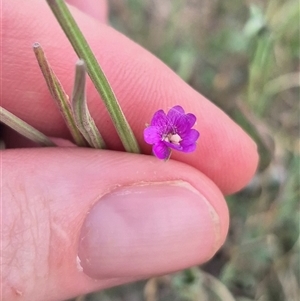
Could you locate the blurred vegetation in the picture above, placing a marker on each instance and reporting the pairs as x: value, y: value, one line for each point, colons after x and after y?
x: 244, y: 56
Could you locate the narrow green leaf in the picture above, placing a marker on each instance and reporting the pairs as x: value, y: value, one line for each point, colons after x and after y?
x: 84, y: 122
x: 81, y: 47
x: 24, y: 128
x: 58, y: 93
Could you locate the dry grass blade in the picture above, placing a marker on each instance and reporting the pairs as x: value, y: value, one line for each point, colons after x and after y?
x: 216, y: 286
x: 24, y: 128
x: 282, y: 82
x: 58, y: 93
x: 261, y: 134
x: 84, y: 122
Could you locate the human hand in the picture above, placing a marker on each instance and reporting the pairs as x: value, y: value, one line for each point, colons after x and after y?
x: 119, y: 216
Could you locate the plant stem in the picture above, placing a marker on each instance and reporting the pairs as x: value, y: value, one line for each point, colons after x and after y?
x: 58, y: 93
x: 84, y: 121
x: 81, y: 47
x: 24, y: 128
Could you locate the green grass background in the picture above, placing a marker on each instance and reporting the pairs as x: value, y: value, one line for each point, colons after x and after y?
x: 244, y: 56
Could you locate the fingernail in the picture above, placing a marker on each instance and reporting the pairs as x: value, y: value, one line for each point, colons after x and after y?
x: 148, y: 229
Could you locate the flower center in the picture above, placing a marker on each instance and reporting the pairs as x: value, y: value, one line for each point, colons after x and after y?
x: 173, y: 138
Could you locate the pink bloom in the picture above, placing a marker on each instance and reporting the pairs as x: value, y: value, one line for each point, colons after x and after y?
x: 171, y: 131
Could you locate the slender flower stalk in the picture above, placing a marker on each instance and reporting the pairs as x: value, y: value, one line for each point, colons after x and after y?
x: 58, y: 93
x: 81, y: 47
x: 85, y: 123
x: 171, y: 131
x: 24, y: 128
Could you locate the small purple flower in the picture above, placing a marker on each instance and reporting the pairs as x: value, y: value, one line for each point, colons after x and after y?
x: 171, y: 131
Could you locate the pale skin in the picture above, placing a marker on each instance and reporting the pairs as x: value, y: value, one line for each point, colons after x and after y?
x: 46, y: 194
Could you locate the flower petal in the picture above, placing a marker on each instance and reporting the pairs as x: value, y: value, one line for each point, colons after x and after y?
x: 190, y: 119
x: 161, y: 151
x: 185, y: 123
x: 181, y: 125
x: 174, y: 114
x: 190, y: 137
x: 176, y: 110
x: 174, y: 146
x: 159, y: 119
x: 152, y: 134
x: 189, y: 148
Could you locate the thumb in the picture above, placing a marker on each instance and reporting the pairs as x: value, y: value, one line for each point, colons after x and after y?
x: 78, y: 220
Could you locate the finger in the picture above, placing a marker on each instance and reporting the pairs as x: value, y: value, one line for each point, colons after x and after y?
x: 97, y: 9
x: 141, y: 82
x: 78, y: 220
